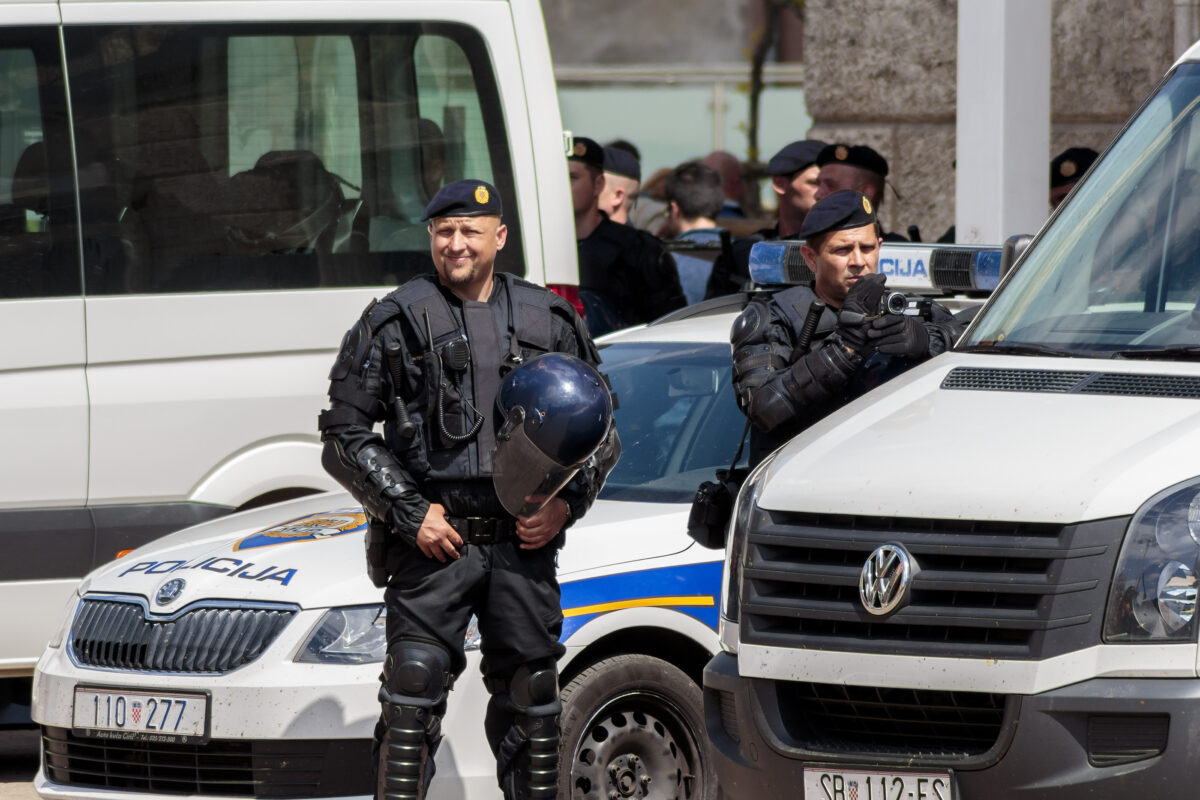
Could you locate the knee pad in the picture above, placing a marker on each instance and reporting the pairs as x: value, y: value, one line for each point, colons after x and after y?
x: 533, y: 686
x: 415, y: 673
x: 527, y: 755
x: 416, y: 678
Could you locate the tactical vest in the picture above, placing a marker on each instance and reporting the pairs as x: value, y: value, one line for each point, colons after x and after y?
x: 461, y: 365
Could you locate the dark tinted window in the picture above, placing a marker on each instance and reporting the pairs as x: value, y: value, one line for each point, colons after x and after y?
x: 676, y: 415
x: 217, y: 158
x: 39, y: 252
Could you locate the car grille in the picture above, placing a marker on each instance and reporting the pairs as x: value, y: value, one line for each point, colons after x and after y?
x: 980, y: 589
x: 118, y: 634
x: 826, y: 718
x: 231, y: 768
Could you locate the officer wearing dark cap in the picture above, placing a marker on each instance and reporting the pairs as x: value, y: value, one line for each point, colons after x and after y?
x: 855, y: 167
x: 622, y: 180
x: 427, y: 361
x: 784, y: 384
x: 793, y: 172
x: 626, y: 277
x: 1066, y: 169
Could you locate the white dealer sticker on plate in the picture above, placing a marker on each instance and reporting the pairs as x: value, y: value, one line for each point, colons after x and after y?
x: 831, y: 784
x: 156, y: 716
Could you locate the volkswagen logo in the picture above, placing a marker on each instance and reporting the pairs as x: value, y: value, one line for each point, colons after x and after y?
x: 884, y: 579
x: 169, y: 592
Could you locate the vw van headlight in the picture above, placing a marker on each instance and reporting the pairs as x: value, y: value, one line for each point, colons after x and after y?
x: 1154, y: 588
x: 745, y: 514
x: 348, y: 635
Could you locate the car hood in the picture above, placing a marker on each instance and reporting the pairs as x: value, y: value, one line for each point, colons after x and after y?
x: 310, y: 552
x: 915, y: 449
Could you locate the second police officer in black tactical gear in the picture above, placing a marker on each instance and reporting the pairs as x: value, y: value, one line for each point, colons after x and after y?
x: 782, y: 385
x: 793, y: 172
x: 428, y: 361
x: 626, y: 276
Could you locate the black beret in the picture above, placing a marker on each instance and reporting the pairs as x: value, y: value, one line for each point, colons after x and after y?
x: 464, y: 199
x: 858, y: 155
x: 795, y: 157
x: 588, y: 151
x: 1069, y: 165
x: 621, y: 162
x: 838, y: 212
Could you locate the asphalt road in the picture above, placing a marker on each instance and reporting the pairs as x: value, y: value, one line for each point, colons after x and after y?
x: 18, y: 763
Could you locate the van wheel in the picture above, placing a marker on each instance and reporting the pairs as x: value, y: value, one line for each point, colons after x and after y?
x: 633, y: 728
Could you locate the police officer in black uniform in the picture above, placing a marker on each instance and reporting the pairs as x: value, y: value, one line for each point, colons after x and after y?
x: 1066, y: 169
x: 793, y: 172
x: 858, y: 168
x: 428, y: 361
x: 626, y: 276
x: 785, y: 384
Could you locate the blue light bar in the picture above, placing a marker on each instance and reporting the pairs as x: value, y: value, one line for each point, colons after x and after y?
x: 767, y: 263
x: 909, y: 266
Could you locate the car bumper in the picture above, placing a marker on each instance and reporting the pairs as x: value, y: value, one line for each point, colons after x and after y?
x: 268, y: 703
x: 1098, y: 739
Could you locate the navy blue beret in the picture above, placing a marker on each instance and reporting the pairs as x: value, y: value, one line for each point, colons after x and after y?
x: 464, y: 199
x: 1069, y: 165
x: 588, y: 151
x: 795, y: 157
x: 621, y: 162
x: 858, y: 155
x: 838, y: 212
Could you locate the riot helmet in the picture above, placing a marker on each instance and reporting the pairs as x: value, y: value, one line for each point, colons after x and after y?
x: 557, y: 412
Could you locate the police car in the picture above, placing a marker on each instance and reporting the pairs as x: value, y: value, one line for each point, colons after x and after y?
x: 241, y: 657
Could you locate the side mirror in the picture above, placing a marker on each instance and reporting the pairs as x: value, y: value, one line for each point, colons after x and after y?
x: 1014, y: 247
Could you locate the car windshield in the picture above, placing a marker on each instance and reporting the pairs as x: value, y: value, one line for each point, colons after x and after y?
x: 1117, y: 272
x: 676, y: 415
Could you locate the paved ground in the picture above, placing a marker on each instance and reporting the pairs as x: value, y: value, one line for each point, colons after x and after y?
x: 18, y: 763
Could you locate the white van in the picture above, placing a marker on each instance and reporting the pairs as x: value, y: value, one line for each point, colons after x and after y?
x: 197, y: 199
x: 980, y: 580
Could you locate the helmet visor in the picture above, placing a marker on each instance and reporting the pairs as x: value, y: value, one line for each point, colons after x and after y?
x: 522, y: 470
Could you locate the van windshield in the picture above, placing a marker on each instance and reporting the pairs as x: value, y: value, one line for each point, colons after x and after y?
x: 1117, y: 272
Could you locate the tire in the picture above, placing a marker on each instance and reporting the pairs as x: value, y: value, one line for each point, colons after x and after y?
x: 628, y: 718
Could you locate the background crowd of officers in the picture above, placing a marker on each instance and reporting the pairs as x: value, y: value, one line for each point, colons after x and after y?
x: 648, y: 248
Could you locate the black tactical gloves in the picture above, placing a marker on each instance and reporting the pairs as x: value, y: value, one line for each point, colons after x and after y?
x: 899, y: 336
x: 862, y: 303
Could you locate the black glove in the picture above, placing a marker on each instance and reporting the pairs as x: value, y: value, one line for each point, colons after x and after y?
x: 862, y: 303
x: 899, y: 335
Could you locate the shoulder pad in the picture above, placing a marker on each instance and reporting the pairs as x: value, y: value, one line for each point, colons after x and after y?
x: 354, y: 348
x: 751, y: 325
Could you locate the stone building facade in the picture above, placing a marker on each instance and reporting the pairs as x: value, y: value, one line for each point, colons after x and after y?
x: 882, y: 72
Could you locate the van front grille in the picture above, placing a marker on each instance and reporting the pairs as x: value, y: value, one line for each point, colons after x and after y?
x: 978, y: 590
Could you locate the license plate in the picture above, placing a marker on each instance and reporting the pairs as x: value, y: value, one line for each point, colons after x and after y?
x: 828, y: 784
x: 148, y: 716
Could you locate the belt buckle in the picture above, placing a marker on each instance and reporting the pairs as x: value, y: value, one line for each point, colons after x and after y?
x: 482, y: 530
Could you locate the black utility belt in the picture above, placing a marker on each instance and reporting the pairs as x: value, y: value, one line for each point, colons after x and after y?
x: 484, y: 530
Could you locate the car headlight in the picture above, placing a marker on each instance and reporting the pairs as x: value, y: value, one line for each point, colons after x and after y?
x: 348, y: 635
x: 473, y: 639
x: 68, y: 617
x: 358, y: 635
x: 1153, y: 596
x: 745, y: 513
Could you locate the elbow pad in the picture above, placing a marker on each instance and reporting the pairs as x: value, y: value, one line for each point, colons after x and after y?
x: 376, y: 480
x: 804, y: 390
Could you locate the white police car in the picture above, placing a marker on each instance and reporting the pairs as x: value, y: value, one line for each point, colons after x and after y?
x: 240, y: 658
